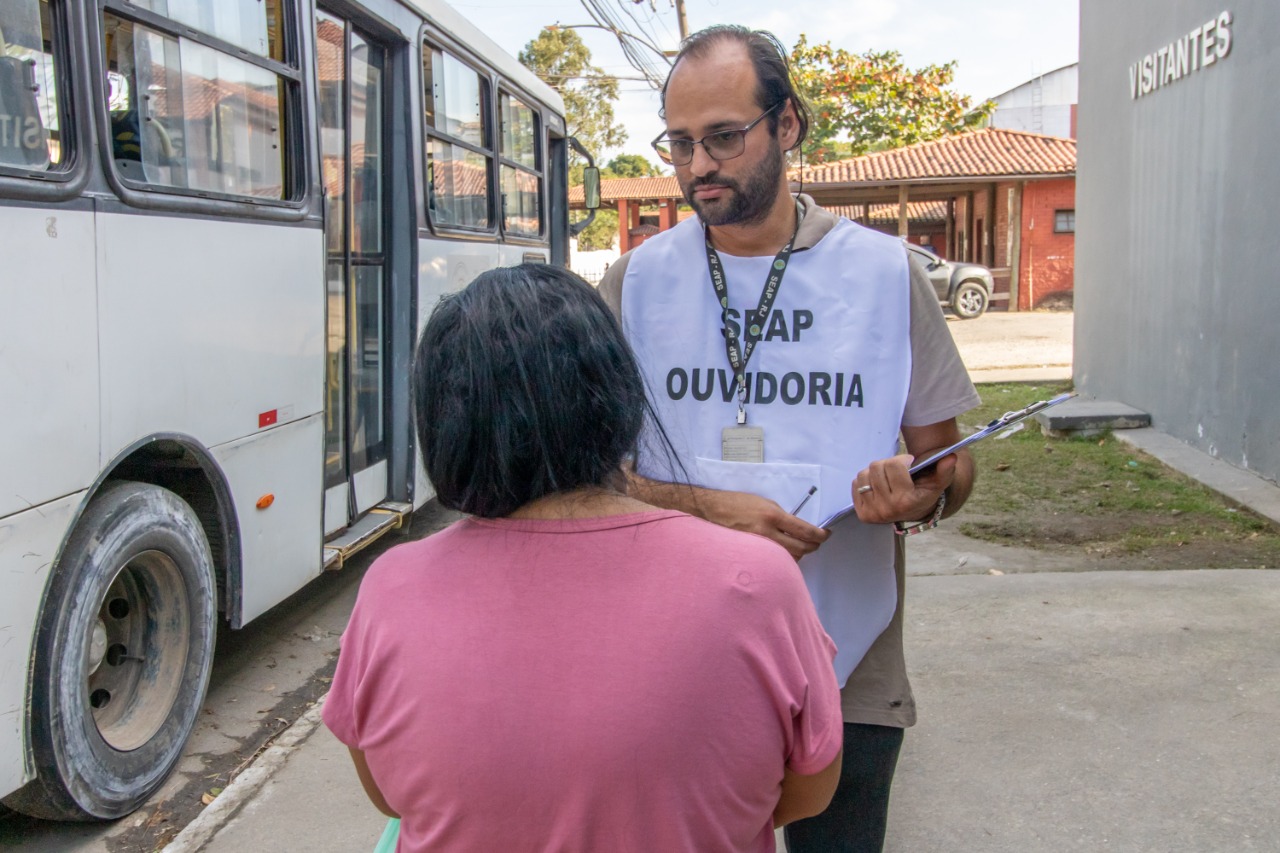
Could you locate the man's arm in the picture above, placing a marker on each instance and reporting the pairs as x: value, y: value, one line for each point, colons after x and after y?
x: 894, y: 496
x: 735, y: 510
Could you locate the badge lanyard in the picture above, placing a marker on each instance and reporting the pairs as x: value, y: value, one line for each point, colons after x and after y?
x: 739, y: 352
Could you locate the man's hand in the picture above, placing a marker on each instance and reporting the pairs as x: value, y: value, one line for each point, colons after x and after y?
x: 735, y: 510
x: 754, y: 514
x: 884, y: 492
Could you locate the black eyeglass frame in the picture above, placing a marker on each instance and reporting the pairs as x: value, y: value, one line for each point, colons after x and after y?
x: 739, y: 132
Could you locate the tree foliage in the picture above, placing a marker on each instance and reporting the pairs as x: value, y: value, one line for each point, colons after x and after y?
x: 602, y: 233
x: 872, y: 101
x: 603, y: 230
x: 563, y: 61
x: 631, y: 166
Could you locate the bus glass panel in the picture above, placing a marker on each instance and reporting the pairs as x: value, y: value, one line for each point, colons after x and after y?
x: 29, y: 121
x: 458, y: 185
x: 192, y: 117
x: 520, y: 193
x: 254, y: 25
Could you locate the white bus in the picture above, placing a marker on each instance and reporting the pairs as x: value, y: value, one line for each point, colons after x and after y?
x: 222, y: 223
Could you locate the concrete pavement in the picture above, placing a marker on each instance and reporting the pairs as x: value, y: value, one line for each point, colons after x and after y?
x: 1125, y: 711
x: 1059, y: 710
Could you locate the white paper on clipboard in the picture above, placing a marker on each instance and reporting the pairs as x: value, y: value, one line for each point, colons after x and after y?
x: 1000, y: 424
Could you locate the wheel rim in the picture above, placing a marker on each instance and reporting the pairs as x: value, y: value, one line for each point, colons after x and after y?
x: 137, y: 651
x: 970, y: 301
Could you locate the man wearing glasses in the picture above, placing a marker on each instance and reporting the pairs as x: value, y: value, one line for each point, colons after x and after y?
x: 787, y: 349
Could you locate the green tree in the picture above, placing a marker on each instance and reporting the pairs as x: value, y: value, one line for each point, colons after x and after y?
x: 872, y: 101
x: 601, y: 233
x: 560, y: 58
x: 631, y: 166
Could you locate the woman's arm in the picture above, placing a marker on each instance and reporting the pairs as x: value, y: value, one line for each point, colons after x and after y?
x: 806, y: 796
x: 371, y: 786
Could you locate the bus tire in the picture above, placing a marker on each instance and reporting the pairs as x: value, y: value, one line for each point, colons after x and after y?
x: 123, y: 654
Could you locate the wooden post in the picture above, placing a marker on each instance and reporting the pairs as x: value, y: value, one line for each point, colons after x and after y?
x: 624, y: 226
x: 989, y: 237
x: 681, y: 20
x: 903, y: 223
x: 970, y: 244
x: 1015, y: 247
x: 950, y: 248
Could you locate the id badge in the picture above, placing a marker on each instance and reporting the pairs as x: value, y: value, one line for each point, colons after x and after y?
x: 742, y: 444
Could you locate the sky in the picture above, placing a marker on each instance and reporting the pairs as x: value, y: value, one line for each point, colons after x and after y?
x: 998, y: 43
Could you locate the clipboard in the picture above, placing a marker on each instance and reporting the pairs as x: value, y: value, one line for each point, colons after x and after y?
x: 1000, y: 424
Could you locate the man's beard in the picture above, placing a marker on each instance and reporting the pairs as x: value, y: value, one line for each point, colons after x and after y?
x: 749, y: 200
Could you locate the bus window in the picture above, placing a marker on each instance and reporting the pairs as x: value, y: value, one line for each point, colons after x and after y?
x: 29, y: 120
x: 250, y: 24
x: 186, y: 115
x: 459, y: 150
x: 521, y: 169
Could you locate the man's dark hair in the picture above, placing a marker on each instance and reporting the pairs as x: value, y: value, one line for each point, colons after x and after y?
x: 774, y: 83
x: 524, y: 386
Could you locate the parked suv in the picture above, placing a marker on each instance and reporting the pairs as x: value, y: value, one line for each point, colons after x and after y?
x: 965, y: 288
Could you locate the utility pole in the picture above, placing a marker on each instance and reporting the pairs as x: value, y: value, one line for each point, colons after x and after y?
x: 680, y: 18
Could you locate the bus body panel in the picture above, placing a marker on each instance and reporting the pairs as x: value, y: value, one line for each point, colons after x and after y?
x: 49, y: 353
x: 445, y: 266
x: 29, y: 544
x: 281, y: 542
x: 211, y: 322
x: 212, y: 329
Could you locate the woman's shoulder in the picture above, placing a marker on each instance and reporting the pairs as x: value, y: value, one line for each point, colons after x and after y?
x: 733, y: 554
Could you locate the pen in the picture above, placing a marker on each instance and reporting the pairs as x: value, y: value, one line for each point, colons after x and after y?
x: 808, y: 495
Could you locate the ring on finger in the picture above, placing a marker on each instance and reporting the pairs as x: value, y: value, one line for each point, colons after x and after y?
x: 862, y: 490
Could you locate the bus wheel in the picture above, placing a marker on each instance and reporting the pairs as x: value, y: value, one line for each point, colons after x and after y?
x: 123, y: 654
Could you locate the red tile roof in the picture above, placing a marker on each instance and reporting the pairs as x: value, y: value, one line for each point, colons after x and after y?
x: 922, y: 212
x: 636, y: 189
x: 987, y: 153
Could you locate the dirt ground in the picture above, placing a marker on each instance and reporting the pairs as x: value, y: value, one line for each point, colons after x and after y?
x: 1071, y: 543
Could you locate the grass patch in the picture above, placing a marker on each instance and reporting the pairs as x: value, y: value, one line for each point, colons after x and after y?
x: 1100, y: 495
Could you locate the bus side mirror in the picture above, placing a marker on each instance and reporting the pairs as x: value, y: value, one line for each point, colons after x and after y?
x: 591, y: 187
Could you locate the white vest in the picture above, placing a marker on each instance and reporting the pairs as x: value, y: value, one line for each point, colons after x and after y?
x: 828, y: 383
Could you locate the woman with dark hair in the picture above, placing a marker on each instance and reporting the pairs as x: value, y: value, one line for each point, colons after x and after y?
x: 569, y: 669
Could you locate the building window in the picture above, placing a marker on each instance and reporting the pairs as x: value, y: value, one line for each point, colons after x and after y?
x: 1064, y: 222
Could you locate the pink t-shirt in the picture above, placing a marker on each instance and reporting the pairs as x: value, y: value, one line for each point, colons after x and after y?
x: 627, y: 683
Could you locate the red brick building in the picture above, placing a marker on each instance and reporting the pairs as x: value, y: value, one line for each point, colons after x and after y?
x: 1002, y: 198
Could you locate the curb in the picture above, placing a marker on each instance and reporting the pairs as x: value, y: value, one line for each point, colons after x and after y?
x: 243, y: 788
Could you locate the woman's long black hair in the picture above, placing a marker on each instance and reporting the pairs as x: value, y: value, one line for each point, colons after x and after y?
x: 524, y: 386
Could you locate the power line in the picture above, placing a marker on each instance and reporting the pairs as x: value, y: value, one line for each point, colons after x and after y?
x: 639, y: 48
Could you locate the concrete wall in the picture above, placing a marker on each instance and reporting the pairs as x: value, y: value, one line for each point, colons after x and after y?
x: 1177, y: 302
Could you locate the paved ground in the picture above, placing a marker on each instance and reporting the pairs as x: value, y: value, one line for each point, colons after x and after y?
x: 1031, y: 346
x: 1060, y: 710
x: 1121, y: 711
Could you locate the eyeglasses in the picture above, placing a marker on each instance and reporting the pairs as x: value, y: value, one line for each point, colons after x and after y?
x: 721, y: 145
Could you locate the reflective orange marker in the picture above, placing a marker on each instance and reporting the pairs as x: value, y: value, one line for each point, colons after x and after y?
x: 266, y: 501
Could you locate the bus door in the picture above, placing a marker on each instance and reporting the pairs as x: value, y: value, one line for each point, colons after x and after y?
x: 353, y: 146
